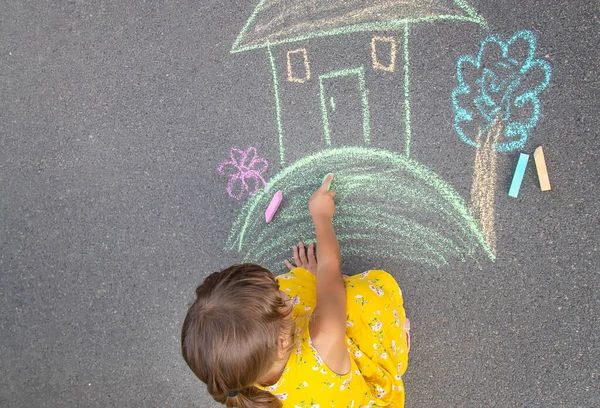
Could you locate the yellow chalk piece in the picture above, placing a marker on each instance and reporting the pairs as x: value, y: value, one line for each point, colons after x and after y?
x: 540, y: 164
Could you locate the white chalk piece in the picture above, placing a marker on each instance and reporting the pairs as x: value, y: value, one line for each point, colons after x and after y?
x: 515, y: 185
x: 542, y: 170
x: 325, y: 178
x: 273, y: 206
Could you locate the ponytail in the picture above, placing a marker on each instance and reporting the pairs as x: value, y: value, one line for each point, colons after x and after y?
x: 251, y: 397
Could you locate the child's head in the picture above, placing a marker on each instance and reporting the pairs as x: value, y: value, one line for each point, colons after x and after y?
x: 231, y: 334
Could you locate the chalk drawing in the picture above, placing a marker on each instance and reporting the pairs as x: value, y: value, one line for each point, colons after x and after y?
x: 291, y: 76
x: 495, y: 110
x: 483, y: 189
x: 360, y: 73
x: 502, y: 89
x: 407, y: 117
x: 244, y: 172
x: 277, y: 106
x: 271, y: 24
x: 377, y: 64
x: 276, y: 23
x: 388, y: 206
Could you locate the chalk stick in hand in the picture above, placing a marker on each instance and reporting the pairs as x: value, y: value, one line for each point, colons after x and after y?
x: 325, y: 178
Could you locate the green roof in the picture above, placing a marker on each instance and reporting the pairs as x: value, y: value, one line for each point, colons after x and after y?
x: 283, y: 21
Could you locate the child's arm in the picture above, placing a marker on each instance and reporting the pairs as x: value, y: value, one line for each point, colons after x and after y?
x: 328, y: 327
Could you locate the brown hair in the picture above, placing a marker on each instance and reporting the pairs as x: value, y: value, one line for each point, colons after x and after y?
x: 230, y: 334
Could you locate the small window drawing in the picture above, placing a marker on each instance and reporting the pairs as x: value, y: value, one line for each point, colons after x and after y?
x: 298, y: 67
x: 379, y: 45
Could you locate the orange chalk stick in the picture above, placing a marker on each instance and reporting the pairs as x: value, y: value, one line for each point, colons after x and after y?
x: 540, y: 164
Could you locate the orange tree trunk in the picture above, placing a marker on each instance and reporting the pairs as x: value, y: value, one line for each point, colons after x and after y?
x: 483, y: 189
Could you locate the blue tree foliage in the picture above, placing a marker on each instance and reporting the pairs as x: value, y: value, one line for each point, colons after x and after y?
x: 502, y: 82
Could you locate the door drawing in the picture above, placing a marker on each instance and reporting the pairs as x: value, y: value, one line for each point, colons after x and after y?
x: 345, y: 107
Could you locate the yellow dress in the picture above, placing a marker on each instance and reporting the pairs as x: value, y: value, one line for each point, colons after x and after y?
x: 375, y: 338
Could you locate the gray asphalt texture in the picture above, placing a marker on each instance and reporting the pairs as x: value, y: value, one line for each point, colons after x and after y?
x: 114, y: 116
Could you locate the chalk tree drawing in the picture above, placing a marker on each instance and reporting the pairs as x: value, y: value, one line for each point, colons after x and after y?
x: 504, y: 90
x: 244, y: 171
x: 496, y: 105
x: 388, y: 205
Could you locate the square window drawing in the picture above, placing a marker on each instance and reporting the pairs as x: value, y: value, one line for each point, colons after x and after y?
x: 386, y: 43
x: 298, y: 71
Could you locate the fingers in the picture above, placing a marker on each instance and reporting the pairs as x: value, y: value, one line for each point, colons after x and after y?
x: 302, y: 254
x: 304, y: 257
x: 312, y: 261
x: 296, y: 257
x: 300, y: 259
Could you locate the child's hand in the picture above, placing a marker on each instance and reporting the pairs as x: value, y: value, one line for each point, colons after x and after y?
x: 321, y: 204
x: 303, y: 258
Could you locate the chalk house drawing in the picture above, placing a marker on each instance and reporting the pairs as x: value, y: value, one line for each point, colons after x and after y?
x: 388, y: 204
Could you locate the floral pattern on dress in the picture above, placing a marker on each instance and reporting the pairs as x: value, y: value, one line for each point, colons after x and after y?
x: 374, y: 339
x: 303, y: 384
x: 361, y: 300
x: 378, y: 290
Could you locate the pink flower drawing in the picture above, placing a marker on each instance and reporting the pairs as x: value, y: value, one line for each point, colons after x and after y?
x: 244, y: 171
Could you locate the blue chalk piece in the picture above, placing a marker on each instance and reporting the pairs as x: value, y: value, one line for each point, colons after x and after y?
x: 515, y: 185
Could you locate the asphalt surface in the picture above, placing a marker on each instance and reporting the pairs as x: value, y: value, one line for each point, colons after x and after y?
x: 114, y: 116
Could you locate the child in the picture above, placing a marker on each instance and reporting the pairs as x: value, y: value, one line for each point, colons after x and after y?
x: 308, y: 338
